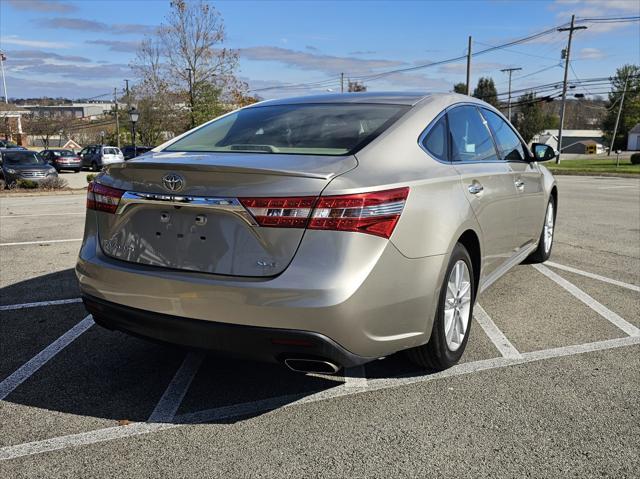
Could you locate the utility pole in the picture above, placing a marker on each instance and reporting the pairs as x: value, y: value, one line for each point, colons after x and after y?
x: 510, y: 71
x: 567, y: 59
x: 3, y: 58
x: 469, y: 67
x: 615, y: 128
x: 341, y: 82
x: 115, y: 101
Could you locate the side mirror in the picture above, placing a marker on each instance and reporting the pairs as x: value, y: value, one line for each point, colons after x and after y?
x: 543, y: 152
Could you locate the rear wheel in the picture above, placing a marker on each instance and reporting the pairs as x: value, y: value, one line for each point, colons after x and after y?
x: 545, y: 242
x: 452, y: 324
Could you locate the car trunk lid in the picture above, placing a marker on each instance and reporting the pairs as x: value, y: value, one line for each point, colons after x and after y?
x: 181, y: 210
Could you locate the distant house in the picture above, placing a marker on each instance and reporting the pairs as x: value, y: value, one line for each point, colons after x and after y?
x: 71, y: 145
x: 633, y: 140
x: 573, y: 141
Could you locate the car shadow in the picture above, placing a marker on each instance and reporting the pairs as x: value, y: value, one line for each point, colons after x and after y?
x: 114, y: 376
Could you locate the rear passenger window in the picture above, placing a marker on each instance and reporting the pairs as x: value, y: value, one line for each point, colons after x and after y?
x: 470, y: 138
x: 435, y: 142
x: 508, y: 142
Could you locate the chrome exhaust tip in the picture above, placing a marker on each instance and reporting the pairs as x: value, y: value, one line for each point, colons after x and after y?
x: 319, y: 366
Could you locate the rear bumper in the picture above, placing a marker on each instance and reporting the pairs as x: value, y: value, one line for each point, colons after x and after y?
x: 356, y: 290
x: 266, y: 344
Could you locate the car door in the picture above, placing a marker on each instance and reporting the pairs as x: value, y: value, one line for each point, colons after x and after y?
x: 487, y: 183
x: 527, y: 179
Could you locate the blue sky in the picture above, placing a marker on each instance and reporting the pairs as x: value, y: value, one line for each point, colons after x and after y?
x: 84, y: 48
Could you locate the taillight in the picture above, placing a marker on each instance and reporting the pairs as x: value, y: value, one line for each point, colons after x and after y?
x: 103, y: 198
x: 280, y: 212
x: 375, y: 213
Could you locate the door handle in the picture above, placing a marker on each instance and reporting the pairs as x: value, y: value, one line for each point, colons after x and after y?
x: 475, y: 188
x: 519, y: 184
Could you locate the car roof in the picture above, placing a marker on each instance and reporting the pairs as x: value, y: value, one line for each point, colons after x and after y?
x: 388, y: 98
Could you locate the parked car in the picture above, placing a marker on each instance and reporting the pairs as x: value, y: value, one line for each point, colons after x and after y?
x: 319, y: 232
x: 21, y: 164
x: 129, y: 151
x: 62, y: 159
x: 95, y: 157
x: 6, y: 144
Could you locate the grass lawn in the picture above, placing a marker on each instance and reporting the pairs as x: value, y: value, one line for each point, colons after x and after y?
x: 594, y: 166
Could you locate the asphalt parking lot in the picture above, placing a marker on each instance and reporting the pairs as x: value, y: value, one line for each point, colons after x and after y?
x: 549, y: 385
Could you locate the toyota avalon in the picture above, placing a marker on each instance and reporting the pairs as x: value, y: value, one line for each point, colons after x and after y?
x: 321, y: 232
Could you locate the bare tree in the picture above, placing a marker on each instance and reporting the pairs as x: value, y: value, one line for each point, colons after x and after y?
x: 192, y: 41
x: 356, y: 86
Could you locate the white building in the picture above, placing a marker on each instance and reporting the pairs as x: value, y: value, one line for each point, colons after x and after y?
x: 633, y: 140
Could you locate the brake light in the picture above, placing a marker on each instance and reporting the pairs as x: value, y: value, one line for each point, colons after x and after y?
x: 375, y: 213
x: 103, y: 198
x: 280, y: 212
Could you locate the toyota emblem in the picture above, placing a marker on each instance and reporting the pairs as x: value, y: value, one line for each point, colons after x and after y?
x: 173, y: 182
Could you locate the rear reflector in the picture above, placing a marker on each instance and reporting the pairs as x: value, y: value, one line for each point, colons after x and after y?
x: 103, y: 198
x: 375, y: 213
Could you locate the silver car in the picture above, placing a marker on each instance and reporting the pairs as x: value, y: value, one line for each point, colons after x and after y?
x: 320, y: 232
x: 95, y: 157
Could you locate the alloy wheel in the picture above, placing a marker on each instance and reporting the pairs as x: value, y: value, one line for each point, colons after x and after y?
x: 457, y: 306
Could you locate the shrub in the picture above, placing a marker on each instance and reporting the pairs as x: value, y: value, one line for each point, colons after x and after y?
x: 91, y: 177
x: 26, y: 184
x: 635, y: 159
x: 54, y: 183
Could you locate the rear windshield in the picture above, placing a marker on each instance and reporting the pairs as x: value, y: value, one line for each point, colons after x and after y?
x: 110, y: 151
x: 64, y: 153
x: 22, y: 158
x: 308, y: 129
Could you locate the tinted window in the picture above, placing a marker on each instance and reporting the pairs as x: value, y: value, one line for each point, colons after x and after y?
x: 470, y: 138
x: 313, y: 129
x: 22, y: 158
x: 508, y: 142
x: 436, y: 140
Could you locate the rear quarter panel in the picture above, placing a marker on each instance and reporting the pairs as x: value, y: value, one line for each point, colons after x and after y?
x: 436, y: 212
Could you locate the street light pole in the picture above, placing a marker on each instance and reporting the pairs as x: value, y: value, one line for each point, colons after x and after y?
x: 469, y: 68
x: 133, y: 116
x: 3, y: 58
x: 510, y: 71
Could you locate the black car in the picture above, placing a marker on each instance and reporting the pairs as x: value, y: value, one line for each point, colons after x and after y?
x: 128, y: 151
x: 62, y: 159
x: 23, y: 165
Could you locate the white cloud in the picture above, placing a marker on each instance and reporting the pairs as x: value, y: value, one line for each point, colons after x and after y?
x: 591, y: 54
x: 15, y: 40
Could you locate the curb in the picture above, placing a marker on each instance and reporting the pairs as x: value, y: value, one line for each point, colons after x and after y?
x: 19, y: 194
x: 594, y: 173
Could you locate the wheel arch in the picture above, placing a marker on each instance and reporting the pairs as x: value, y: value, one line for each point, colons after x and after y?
x: 469, y: 239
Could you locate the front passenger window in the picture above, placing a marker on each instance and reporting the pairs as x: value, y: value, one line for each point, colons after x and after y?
x: 508, y: 142
x: 470, y: 138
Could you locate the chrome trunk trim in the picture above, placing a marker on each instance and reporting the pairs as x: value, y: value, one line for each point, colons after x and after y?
x: 225, y: 205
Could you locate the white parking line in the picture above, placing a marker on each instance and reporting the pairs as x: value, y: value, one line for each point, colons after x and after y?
x: 11, y: 307
x: 170, y: 401
x: 26, y: 370
x: 355, y: 377
x: 41, y: 242
x: 622, y: 284
x: 496, y: 336
x: 264, y: 405
x: 602, y: 310
x: 43, y: 214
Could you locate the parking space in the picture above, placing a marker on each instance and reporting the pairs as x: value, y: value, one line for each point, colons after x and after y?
x: 549, y: 381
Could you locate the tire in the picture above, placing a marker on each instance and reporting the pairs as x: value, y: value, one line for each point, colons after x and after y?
x: 3, y: 184
x: 545, y: 242
x: 439, y: 353
x: 94, y: 166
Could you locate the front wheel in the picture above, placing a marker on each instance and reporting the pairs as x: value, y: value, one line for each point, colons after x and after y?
x: 452, y: 324
x: 545, y: 242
